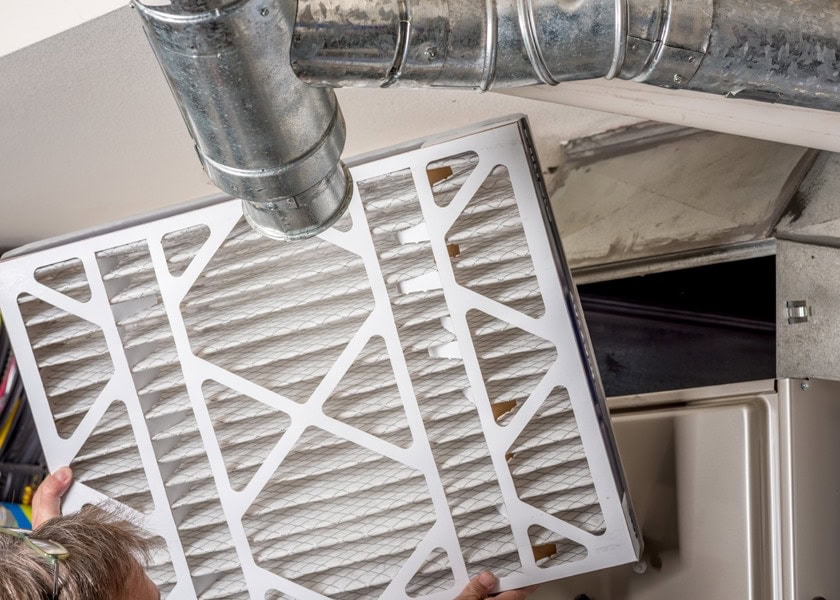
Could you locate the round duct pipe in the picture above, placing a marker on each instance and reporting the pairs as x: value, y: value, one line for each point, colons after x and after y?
x: 476, y: 44
x: 253, y: 77
x: 772, y: 50
x: 261, y: 134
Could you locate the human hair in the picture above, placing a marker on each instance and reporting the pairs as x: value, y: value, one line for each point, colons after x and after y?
x: 105, y: 549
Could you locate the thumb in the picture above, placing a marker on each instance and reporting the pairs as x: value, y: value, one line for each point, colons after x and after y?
x: 46, y: 504
x: 478, y: 587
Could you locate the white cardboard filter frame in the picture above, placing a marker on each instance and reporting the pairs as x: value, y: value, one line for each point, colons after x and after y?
x: 274, y: 456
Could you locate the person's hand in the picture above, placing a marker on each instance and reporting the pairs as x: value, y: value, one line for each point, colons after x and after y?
x: 46, y: 503
x: 479, y: 587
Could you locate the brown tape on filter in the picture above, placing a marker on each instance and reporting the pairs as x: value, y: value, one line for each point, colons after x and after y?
x: 542, y: 551
x: 502, y: 408
x: 439, y: 174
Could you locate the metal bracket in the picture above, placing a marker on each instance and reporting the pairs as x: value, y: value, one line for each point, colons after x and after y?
x: 798, y: 311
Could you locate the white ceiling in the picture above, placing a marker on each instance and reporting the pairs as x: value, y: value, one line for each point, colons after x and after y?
x: 25, y: 23
x: 91, y: 134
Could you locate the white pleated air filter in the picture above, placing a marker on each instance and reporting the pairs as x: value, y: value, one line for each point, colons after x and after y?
x: 380, y: 412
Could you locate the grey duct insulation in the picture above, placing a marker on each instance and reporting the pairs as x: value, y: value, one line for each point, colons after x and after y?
x: 237, y: 69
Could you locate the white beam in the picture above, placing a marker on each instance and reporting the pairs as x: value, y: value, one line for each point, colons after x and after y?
x: 773, y: 122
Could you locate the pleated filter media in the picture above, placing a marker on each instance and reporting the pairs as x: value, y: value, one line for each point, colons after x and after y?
x: 382, y: 411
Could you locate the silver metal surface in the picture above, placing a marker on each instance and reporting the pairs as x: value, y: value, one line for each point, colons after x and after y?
x: 655, y: 197
x: 774, y: 50
x: 666, y: 40
x: 797, y: 311
x: 808, y: 273
x: 814, y: 214
x: 465, y: 44
x: 261, y: 134
x: 266, y: 137
x: 687, y: 259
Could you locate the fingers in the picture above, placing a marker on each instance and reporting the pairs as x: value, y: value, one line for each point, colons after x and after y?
x: 46, y: 504
x: 478, y: 587
x: 517, y: 594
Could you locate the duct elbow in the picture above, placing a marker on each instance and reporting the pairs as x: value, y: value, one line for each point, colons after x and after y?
x: 261, y: 134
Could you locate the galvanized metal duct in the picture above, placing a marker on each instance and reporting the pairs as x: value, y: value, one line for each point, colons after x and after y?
x: 261, y: 134
x: 460, y: 43
x: 773, y: 50
x: 237, y: 69
x: 784, y: 51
